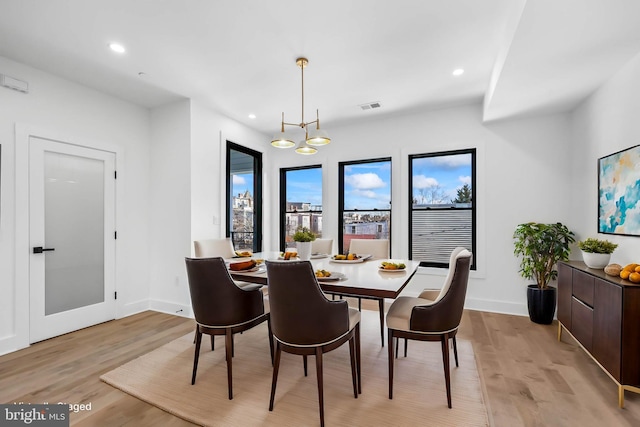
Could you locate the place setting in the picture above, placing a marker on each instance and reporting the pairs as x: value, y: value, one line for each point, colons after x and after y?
x: 350, y: 258
x: 392, y: 266
x: 329, y: 276
x: 249, y: 266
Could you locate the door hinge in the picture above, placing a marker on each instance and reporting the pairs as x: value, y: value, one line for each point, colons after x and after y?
x: 115, y: 174
x: 115, y: 235
x: 115, y: 295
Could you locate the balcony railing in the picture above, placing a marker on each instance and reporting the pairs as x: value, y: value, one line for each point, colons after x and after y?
x: 242, y: 240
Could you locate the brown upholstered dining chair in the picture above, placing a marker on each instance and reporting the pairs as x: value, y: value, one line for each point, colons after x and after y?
x: 221, y: 307
x: 306, y: 323
x: 211, y: 248
x: 422, y: 319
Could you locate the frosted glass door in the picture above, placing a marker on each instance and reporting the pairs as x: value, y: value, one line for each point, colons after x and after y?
x: 72, y: 225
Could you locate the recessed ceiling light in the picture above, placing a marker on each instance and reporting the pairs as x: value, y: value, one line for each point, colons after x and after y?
x: 116, y: 47
x: 458, y: 72
x: 252, y: 116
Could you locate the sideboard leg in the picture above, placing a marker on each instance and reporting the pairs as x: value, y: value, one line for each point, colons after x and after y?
x: 620, y: 396
x: 559, y: 330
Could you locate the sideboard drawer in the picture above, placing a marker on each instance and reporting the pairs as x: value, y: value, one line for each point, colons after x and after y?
x: 582, y: 323
x: 583, y: 287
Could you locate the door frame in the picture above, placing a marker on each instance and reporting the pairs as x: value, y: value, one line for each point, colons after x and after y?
x: 23, y: 133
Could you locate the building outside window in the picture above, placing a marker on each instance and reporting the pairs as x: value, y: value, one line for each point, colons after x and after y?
x: 244, y: 197
x: 442, y: 212
x: 300, y: 202
x: 364, y: 201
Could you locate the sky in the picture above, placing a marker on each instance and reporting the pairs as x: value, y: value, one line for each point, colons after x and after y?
x: 368, y: 185
x: 448, y: 172
x: 242, y: 183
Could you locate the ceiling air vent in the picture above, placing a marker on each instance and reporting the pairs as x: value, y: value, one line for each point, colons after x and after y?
x: 370, y: 105
x: 15, y: 84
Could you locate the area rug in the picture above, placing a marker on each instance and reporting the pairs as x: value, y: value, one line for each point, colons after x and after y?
x: 163, y: 379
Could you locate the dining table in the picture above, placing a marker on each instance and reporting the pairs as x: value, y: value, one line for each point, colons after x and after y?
x: 363, y: 278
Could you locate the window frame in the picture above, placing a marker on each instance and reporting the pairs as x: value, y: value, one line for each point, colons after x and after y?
x: 341, y: 210
x: 283, y: 200
x: 257, y: 193
x: 473, y: 208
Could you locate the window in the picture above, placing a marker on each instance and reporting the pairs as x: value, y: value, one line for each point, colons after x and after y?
x: 442, y: 212
x: 364, y: 201
x: 244, y: 197
x: 300, y: 202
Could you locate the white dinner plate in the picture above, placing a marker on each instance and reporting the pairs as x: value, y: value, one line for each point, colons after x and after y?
x: 334, y: 276
x: 362, y: 258
x: 241, y: 254
x: 400, y: 270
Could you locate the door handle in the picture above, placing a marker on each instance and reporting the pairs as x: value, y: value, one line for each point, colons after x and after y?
x: 40, y: 249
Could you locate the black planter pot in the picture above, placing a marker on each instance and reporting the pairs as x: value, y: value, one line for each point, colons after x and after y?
x: 541, y: 304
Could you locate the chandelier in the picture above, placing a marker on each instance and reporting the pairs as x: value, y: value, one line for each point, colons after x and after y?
x: 312, y: 137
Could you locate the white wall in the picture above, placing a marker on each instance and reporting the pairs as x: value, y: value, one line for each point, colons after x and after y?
x: 522, y: 174
x: 605, y: 123
x: 209, y: 133
x: 170, y: 207
x: 187, y: 192
x: 71, y: 109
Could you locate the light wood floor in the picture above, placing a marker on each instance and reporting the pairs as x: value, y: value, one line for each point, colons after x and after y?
x: 531, y: 379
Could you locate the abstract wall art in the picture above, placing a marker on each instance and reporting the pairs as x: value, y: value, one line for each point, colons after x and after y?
x: 619, y: 192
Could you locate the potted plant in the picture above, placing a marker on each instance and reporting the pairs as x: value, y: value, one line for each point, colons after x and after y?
x: 540, y: 247
x: 596, y: 253
x: 303, y: 238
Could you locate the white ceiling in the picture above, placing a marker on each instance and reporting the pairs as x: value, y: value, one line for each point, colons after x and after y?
x: 238, y: 56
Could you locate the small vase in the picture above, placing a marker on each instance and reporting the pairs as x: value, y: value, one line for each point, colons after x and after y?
x: 597, y: 261
x: 304, y: 250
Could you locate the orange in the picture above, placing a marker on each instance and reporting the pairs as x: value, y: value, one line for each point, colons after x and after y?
x: 630, y: 267
x: 634, y: 277
x: 624, y: 274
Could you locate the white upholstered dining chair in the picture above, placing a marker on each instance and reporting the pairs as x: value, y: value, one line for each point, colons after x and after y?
x: 322, y: 246
x: 214, y: 248
x: 377, y: 248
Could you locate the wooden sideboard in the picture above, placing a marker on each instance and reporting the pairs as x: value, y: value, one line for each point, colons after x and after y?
x: 603, y: 314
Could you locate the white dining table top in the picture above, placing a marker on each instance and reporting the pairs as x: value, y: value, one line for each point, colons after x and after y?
x: 360, y: 278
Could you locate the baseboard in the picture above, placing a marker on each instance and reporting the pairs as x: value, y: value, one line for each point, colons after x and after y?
x: 170, y: 308
x: 132, y: 308
x: 494, y: 306
x: 12, y: 343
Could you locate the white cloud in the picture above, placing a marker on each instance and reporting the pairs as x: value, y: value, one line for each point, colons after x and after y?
x: 364, y: 181
x: 366, y: 193
x: 238, y: 180
x: 444, y: 162
x: 465, y: 180
x: 421, y: 181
